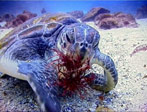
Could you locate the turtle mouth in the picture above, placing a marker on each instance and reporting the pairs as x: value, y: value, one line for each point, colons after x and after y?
x: 71, y: 72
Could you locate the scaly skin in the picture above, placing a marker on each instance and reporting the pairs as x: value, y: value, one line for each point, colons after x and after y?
x: 109, y: 80
x: 42, y: 80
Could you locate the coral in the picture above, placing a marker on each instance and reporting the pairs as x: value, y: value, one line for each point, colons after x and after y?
x: 139, y: 48
x: 71, y: 73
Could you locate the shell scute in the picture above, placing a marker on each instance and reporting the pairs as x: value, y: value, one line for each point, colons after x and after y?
x: 37, y: 20
x: 38, y: 29
x: 54, y: 17
x: 6, y: 42
x: 51, y: 28
x: 44, y: 25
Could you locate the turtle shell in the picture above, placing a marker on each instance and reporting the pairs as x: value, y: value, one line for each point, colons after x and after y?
x: 44, y: 26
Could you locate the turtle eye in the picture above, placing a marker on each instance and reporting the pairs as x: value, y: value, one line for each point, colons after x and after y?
x: 95, y: 45
x: 68, y: 39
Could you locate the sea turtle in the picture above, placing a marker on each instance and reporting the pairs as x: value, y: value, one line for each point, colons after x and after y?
x: 26, y: 51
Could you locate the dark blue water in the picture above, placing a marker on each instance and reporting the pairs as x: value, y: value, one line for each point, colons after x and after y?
x: 16, y: 7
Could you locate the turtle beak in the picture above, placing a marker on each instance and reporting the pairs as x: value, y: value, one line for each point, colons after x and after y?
x: 83, y: 52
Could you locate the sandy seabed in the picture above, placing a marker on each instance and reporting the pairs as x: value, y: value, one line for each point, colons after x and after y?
x: 131, y: 90
x: 132, y: 86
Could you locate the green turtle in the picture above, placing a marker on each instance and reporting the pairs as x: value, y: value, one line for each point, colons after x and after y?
x: 26, y: 51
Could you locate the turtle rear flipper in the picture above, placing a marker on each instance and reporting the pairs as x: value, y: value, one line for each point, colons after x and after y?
x: 42, y: 81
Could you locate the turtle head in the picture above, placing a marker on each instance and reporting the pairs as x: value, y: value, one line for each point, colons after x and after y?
x: 78, y: 39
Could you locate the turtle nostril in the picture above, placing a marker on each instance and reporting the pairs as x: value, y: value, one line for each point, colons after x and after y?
x: 83, y: 49
x: 86, y: 45
x: 64, y: 45
x: 81, y: 44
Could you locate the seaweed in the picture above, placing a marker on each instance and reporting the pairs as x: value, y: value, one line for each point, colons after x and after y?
x: 71, y: 72
x: 139, y: 48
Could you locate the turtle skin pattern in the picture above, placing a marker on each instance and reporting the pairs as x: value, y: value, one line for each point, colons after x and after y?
x: 28, y: 49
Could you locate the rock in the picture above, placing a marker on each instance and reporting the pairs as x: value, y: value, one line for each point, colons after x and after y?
x: 118, y: 20
x: 17, y: 21
x: 7, y: 17
x: 90, y: 16
x: 43, y: 11
x: 29, y: 14
x: 142, y: 12
x: 102, y: 16
x: 1, y: 19
x: 76, y: 14
x: 21, y: 18
x: 104, y: 109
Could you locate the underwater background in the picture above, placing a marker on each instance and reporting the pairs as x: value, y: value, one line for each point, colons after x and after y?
x: 16, y: 7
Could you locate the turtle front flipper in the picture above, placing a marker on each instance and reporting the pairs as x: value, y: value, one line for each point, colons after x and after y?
x: 109, y: 80
x: 42, y: 81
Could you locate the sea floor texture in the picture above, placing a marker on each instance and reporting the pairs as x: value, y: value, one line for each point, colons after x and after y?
x: 130, y: 94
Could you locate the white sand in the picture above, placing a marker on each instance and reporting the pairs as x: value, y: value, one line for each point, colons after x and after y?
x: 119, y: 43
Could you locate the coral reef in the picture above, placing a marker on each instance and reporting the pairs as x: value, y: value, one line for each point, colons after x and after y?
x: 142, y: 12
x: 118, y: 20
x: 90, y: 16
